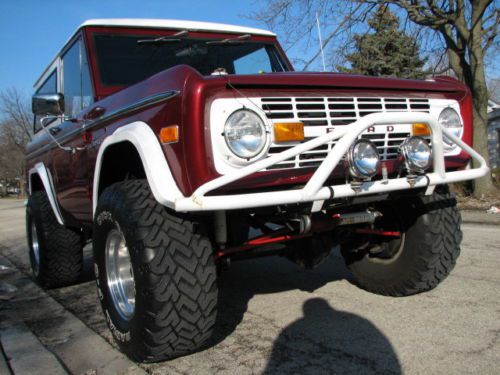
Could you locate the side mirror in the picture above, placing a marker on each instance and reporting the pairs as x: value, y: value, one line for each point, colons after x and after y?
x: 48, y: 104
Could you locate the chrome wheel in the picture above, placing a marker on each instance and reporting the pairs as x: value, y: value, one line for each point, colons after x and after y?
x: 35, y: 248
x: 119, y: 273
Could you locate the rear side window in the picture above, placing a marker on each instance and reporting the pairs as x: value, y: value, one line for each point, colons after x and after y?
x: 48, y: 87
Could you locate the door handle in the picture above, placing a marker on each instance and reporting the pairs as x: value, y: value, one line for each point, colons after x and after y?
x: 54, y: 130
x: 95, y: 113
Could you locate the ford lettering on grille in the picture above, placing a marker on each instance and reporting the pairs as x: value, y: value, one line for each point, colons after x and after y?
x: 325, y: 114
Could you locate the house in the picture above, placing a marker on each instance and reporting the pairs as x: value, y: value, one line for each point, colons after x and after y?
x: 492, y: 106
x: 494, y: 137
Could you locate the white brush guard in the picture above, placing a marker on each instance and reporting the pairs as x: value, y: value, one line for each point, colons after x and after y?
x: 315, y: 191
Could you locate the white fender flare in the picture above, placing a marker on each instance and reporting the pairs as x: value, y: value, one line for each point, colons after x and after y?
x: 46, y: 179
x: 160, y: 179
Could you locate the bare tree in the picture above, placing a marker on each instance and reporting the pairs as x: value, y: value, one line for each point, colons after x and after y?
x: 468, y: 29
x: 295, y: 22
x: 458, y: 35
x: 16, y: 123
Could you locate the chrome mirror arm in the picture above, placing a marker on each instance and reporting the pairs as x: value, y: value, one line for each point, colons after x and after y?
x: 44, y: 119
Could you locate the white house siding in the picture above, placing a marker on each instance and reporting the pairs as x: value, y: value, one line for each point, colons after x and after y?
x: 494, y: 137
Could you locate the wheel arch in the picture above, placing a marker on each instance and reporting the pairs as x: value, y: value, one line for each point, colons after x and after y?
x: 120, y: 161
x: 40, y: 179
x: 134, y: 148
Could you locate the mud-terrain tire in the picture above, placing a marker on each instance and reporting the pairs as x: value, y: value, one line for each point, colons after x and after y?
x: 173, y: 271
x: 55, y: 251
x: 426, y: 255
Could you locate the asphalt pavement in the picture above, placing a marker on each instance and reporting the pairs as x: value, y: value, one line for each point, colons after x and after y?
x: 274, y: 318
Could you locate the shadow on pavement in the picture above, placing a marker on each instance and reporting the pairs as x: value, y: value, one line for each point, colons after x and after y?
x: 248, y: 278
x: 324, y: 340
x: 329, y: 341
x: 88, y: 264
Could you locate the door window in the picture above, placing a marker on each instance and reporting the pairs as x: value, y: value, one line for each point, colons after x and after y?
x: 87, y: 92
x: 77, y: 87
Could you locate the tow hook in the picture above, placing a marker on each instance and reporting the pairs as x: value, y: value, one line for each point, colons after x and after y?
x: 304, y: 223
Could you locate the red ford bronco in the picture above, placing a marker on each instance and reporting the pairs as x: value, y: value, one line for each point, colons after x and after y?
x: 177, y: 147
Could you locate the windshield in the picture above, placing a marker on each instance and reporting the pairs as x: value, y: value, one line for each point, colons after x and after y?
x: 124, y: 60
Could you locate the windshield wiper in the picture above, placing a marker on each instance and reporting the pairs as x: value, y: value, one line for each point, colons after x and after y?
x: 240, y: 39
x: 175, y: 38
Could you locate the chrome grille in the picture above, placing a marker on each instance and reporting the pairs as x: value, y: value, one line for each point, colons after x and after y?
x: 319, y: 114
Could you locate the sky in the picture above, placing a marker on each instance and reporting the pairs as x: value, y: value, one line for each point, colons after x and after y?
x: 33, y: 31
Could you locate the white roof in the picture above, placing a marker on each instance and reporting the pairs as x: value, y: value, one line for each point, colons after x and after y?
x: 176, y: 25
x: 158, y: 24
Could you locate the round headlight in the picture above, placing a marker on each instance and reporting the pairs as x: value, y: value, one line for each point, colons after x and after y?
x: 245, y: 133
x: 417, y: 153
x: 363, y: 159
x: 450, y: 119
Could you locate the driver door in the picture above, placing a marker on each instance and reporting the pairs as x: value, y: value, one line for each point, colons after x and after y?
x: 72, y: 175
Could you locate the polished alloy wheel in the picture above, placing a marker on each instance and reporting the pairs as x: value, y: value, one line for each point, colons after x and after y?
x: 35, y: 247
x: 120, y: 275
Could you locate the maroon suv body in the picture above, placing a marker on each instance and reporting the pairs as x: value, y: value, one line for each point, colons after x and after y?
x: 146, y: 135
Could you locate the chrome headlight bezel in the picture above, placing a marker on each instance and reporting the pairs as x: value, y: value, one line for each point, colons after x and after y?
x: 356, y: 170
x: 450, y: 119
x: 407, y: 148
x: 233, y: 121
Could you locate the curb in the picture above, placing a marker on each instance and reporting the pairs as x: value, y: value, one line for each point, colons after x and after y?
x: 479, y: 217
x: 74, y: 346
x: 24, y: 352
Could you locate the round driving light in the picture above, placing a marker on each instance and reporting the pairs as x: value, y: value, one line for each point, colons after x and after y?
x: 363, y: 159
x: 417, y: 154
x: 245, y: 133
x: 450, y: 119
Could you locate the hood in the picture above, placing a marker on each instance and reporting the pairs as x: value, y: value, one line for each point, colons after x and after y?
x: 299, y: 80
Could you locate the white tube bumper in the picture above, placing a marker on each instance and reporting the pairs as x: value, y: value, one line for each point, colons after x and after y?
x: 314, y: 189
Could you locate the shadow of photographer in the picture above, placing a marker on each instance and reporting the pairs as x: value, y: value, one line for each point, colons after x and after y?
x: 243, y: 280
x: 329, y: 341
x: 324, y: 340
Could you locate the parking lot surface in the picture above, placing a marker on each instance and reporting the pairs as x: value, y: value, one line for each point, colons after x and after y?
x: 276, y: 318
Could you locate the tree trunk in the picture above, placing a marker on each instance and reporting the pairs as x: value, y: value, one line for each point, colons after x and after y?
x: 483, y: 185
x: 477, y: 84
x: 22, y: 187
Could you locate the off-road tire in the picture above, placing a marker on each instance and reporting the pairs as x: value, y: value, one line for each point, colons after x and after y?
x: 431, y: 246
x: 173, y: 270
x: 60, y: 248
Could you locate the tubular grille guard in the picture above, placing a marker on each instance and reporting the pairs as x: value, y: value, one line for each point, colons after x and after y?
x: 314, y: 189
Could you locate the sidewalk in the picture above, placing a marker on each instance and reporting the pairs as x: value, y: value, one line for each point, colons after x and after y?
x: 23, y: 352
x: 40, y: 336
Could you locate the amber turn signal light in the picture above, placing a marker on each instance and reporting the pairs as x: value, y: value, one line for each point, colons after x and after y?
x: 288, y: 131
x: 420, y: 129
x: 169, y: 134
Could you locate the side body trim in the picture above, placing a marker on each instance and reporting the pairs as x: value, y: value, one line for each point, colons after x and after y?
x: 46, y: 179
x: 158, y: 173
x: 122, y: 111
x: 140, y: 104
